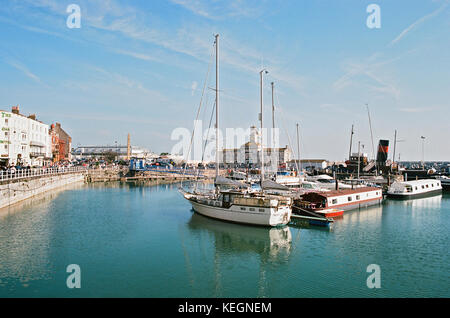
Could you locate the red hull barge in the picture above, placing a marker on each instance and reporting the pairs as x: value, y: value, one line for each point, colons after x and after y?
x: 332, y: 204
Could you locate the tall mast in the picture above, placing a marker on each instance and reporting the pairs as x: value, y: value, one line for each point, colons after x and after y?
x: 273, y: 109
x: 395, y: 144
x: 261, y: 119
x: 359, y: 157
x: 217, y: 105
x: 273, y: 119
x: 298, y: 151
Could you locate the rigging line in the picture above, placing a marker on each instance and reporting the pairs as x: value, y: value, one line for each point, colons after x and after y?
x: 289, y: 138
x: 207, y: 135
x: 206, y: 140
x: 198, y: 113
x: 287, y: 133
x: 302, y: 144
x: 207, y: 97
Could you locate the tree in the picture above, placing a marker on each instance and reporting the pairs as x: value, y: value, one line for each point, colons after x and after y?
x: 110, y: 156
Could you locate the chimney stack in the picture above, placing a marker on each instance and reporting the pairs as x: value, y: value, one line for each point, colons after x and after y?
x: 15, y: 110
x: 128, y: 148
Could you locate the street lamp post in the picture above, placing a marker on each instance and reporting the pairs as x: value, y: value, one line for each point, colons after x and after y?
x: 423, y: 151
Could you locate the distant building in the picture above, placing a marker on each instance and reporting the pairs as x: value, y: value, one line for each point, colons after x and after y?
x: 250, y: 152
x: 24, y: 140
x: 308, y: 164
x: 121, y: 152
x: 61, y: 143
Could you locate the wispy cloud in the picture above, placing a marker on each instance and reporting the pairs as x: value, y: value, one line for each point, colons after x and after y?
x: 221, y: 9
x: 21, y: 67
x: 137, y: 55
x: 418, y: 22
x: 370, y: 71
x: 194, y: 6
x: 189, y: 40
x: 417, y: 109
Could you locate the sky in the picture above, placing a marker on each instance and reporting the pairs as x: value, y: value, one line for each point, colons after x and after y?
x: 140, y: 66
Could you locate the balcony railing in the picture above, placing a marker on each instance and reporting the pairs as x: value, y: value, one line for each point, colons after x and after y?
x: 38, y: 172
x: 37, y: 154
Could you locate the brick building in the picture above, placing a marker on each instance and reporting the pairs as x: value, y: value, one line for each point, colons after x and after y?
x: 61, y: 143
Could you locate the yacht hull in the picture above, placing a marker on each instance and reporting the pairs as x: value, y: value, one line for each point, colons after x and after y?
x: 236, y: 214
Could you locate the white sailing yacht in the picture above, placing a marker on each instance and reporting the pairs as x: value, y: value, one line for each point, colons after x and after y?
x: 234, y: 201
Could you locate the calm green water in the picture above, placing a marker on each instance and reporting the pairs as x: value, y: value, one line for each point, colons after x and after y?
x: 145, y: 242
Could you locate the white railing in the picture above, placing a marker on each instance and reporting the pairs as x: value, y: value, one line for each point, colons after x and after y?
x: 38, y: 172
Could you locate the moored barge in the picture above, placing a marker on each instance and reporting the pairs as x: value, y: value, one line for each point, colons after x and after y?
x: 334, y: 203
x: 414, y: 189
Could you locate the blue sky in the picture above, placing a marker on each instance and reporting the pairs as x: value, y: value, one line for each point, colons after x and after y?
x: 139, y: 67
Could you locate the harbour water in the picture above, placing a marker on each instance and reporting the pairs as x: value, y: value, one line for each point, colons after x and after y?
x: 138, y: 241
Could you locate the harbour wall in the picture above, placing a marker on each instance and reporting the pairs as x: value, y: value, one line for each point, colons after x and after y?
x: 16, y: 190
x: 156, y: 176
x: 25, y: 186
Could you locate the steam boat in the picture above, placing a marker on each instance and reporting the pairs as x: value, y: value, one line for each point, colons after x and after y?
x: 445, y: 182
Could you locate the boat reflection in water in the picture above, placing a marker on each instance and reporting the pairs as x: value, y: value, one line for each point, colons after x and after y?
x: 220, y: 255
x: 271, y: 243
x: 362, y: 217
x: 424, y: 203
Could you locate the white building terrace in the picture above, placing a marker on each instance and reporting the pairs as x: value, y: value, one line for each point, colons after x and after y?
x: 250, y: 152
x: 24, y: 140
